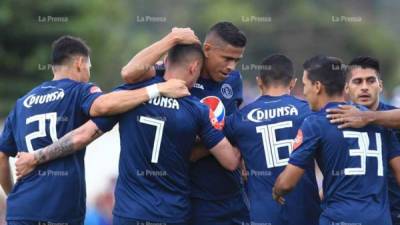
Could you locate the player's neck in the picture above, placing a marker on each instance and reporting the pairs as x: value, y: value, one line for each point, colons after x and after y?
x: 324, y: 100
x: 375, y: 106
x: 64, y: 74
x: 175, y: 74
x: 204, y: 73
x: 275, y: 91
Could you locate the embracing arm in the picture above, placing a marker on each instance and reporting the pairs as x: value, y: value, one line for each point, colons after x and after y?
x: 67, y: 145
x: 140, y: 67
x: 6, y: 178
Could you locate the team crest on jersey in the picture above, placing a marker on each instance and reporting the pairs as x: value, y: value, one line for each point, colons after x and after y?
x: 298, y: 140
x: 95, y: 89
x: 217, y: 111
x: 226, y: 91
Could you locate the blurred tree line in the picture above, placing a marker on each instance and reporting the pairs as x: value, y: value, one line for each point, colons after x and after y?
x: 116, y: 30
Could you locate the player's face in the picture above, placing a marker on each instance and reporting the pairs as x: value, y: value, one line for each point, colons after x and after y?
x: 309, y: 92
x: 220, y: 61
x: 364, y: 87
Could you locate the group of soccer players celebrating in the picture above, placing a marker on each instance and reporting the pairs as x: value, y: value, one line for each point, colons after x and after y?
x: 184, y: 140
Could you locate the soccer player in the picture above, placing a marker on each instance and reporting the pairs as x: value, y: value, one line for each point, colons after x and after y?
x: 156, y: 142
x: 354, y: 162
x: 55, y: 192
x: 364, y: 87
x: 219, y: 86
x: 264, y: 131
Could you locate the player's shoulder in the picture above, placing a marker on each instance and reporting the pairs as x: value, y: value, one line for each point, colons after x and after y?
x: 384, y: 106
x: 131, y: 86
x: 234, y: 77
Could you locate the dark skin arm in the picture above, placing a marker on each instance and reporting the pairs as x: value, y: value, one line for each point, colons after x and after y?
x: 6, y: 178
x: 286, y: 181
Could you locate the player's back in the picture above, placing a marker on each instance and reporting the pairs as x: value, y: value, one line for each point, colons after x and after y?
x: 156, y: 141
x: 354, y: 163
x: 264, y: 131
x: 54, y: 191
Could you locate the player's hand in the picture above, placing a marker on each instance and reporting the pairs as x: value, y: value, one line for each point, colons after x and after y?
x: 173, y: 88
x: 277, y: 197
x: 24, y: 164
x: 347, y: 116
x: 184, y: 36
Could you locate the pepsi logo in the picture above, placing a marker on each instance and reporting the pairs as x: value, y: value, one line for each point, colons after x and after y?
x: 217, y: 111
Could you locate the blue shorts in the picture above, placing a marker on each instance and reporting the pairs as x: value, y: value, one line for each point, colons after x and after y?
x: 31, y: 222
x: 117, y: 220
x: 222, y: 212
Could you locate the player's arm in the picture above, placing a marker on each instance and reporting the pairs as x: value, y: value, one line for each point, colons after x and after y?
x: 68, y: 144
x: 199, y: 151
x: 121, y: 101
x: 395, y: 165
x: 286, y: 181
x: 227, y: 155
x: 141, y: 66
x: 6, y: 178
x: 349, y: 116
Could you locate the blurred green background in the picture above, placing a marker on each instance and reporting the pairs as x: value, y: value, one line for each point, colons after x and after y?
x: 116, y: 30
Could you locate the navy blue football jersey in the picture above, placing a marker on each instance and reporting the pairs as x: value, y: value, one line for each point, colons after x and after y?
x: 54, y: 191
x: 264, y: 131
x: 394, y: 189
x: 209, y: 180
x: 156, y: 142
x: 354, y: 163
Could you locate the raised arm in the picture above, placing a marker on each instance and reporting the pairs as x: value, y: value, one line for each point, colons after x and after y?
x: 141, y: 66
x: 121, y: 101
x: 6, y: 178
x: 70, y: 143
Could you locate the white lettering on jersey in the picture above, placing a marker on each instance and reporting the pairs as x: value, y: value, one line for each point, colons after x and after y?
x: 165, y: 102
x: 42, y: 99
x: 258, y: 115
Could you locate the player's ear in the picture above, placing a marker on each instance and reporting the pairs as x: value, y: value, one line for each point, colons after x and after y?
x: 259, y: 82
x: 292, y: 83
x: 317, y: 87
x: 346, y: 88
x: 206, y: 49
x: 380, y: 85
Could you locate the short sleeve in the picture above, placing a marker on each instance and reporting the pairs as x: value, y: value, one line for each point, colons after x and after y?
x: 89, y: 93
x: 305, y: 144
x: 393, y: 145
x: 209, y: 135
x: 7, y: 141
x: 229, y: 129
x: 239, y: 89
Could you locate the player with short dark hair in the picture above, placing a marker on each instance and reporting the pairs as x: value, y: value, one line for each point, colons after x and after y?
x: 220, y: 87
x: 156, y: 142
x: 364, y: 86
x: 354, y: 162
x: 264, y: 131
x: 55, y: 192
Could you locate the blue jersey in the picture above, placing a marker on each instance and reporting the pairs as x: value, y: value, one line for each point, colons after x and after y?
x: 156, y: 142
x: 209, y: 180
x: 264, y: 132
x: 54, y: 191
x: 354, y: 163
x: 394, y: 189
